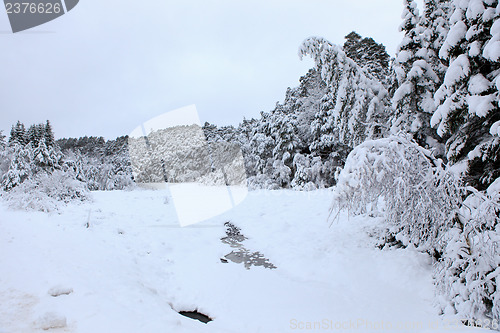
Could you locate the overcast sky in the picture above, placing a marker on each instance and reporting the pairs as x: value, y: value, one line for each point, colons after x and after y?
x: 109, y: 65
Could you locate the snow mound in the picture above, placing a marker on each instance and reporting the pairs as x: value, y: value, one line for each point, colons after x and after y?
x: 59, y: 291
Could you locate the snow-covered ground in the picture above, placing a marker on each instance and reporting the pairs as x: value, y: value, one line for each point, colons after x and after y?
x: 123, y: 264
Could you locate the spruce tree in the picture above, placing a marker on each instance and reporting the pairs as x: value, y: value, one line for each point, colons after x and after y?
x: 45, y: 158
x: 49, y: 134
x: 419, y: 72
x: 468, y: 100
x: 34, y: 134
x: 368, y: 54
x: 21, y: 166
x: 2, y: 141
x: 18, y: 134
x: 352, y: 110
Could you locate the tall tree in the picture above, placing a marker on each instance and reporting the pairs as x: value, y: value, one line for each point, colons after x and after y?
x: 353, y: 107
x: 412, y: 99
x: 20, y: 168
x: 18, y: 134
x: 35, y: 133
x: 468, y: 112
x: 49, y: 134
x: 368, y: 54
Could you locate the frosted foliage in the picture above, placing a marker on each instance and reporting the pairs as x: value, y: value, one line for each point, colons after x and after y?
x: 423, y: 205
x: 468, y: 98
x: 458, y: 70
x: 419, y: 195
x: 492, y: 48
x: 475, y: 9
x: 455, y: 35
x: 480, y: 105
x: 468, y: 274
x: 495, y: 128
x: 478, y: 84
x: 447, y: 97
x: 46, y: 192
x: 355, y: 100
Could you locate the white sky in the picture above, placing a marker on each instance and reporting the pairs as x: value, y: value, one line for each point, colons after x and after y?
x: 108, y: 66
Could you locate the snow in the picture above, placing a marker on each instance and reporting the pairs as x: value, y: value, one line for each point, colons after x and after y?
x: 476, y: 8
x: 480, y: 105
x: 455, y: 35
x: 492, y: 48
x: 459, y: 69
x: 494, y: 188
x: 478, y: 84
x: 495, y: 128
x: 194, y: 202
x: 404, y: 90
x: 440, y: 115
x: 474, y: 49
x: 495, y: 28
x: 123, y: 264
x: 403, y: 56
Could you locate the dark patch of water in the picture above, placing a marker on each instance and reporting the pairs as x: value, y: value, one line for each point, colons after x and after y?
x: 196, y: 316
x: 240, y: 254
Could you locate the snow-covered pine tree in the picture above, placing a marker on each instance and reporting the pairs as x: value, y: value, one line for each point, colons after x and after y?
x: 45, y: 158
x: 468, y: 112
x: 21, y: 166
x: 369, y: 55
x: 433, y: 28
x: 417, y: 80
x: 49, y: 134
x: 18, y: 134
x: 353, y: 108
x: 284, y: 132
x: 35, y: 133
x: 3, y: 144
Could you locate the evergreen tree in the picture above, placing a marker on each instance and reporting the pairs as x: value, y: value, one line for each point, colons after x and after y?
x: 21, y: 167
x: 34, y: 134
x: 468, y: 100
x: 45, y: 158
x: 3, y: 144
x: 49, y: 134
x: 419, y: 72
x: 368, y: 54
x: 18, y: 134
x: 284, y: 132
x: 433, y: 28
x: 405, y: 101
x: 353, y: 107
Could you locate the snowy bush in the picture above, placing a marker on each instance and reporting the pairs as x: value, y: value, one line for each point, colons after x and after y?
x: 467, y: 276
x: 46, y: 192
x: 262, y: 182
x: 420, y: 196
x: 424, y: 206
